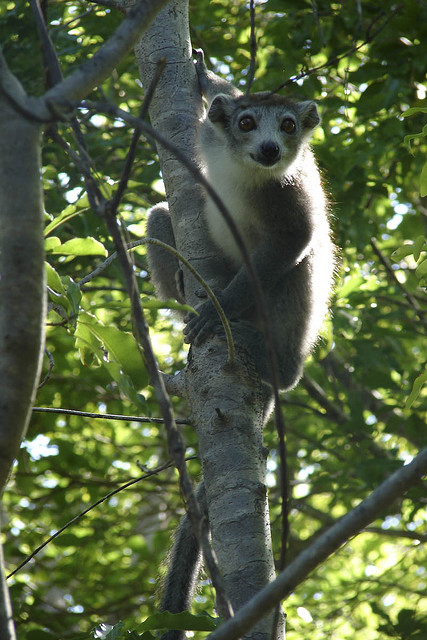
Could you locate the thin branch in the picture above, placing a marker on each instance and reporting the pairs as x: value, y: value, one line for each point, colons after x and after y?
x: 136, y: 135
x: 396, y: 533
x: 51, y: 365
x: 100, y: 268
x: 54, y: 73
x: 334, y: 412
x: 188, y: 265
x: 58, y: 103
x: 212, y: 297
x: 176, y: 443
x: 152, y: 134
x: 370, y: 36
x: 327, y: 520
x: 83, y: 513
x: 104, y: 416
x: 82, y: 163
x: 251, y: 75
x: 329, y: 542
x: 318, y: 23
x: 392, y: 275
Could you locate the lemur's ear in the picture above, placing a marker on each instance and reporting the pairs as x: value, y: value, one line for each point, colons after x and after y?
x: 221, y: 108
x: 309, y: 115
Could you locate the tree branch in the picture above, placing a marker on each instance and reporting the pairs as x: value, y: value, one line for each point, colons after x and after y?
x: 58, y: 103
x: 104, y: 416
x: 350, y: 525
x: 80, y: 515
x: 371, y: 34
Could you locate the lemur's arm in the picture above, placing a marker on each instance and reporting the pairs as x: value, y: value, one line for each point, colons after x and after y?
x: 210, y: 84
x: 271, y: 263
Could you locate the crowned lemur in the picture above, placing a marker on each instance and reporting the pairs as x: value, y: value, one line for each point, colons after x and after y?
x: 254, y: 151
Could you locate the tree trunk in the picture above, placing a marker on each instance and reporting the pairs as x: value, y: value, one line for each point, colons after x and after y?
x: 227, y: 403
x: 22, y: 292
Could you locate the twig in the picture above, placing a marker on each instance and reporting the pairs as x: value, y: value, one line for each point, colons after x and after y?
x: 150, y: 133
x: 329, y: 542
x: 392, y: 275
x: 334, y: 413
x: 206, y: 287
x: 83, y: 513
x: 104, y: 416
x: 54, y: 73
x: 188, y: 265
x: 332, y: 61
x: 82, y: 163
x: 53, y: 69
x: 51, y: 365
x: 251, y: 75
x: 318, y: 23
x: 136, y: 135
x: 100, y: 268
x: 176, y: 444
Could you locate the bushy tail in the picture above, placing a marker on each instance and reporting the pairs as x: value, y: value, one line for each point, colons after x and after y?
x: 184, y: 565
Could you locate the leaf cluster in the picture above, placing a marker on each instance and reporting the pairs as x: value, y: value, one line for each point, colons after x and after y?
x: 359, y: 412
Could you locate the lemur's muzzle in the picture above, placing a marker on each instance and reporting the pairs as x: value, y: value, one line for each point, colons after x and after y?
x: 269, y: 153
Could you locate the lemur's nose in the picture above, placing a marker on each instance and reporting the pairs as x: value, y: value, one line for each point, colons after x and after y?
x: 270, y: 150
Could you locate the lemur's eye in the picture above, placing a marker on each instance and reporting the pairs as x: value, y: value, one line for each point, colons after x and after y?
x: 247, y: 123
x: 288, y: 125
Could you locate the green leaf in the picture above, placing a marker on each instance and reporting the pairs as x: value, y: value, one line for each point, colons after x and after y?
x: 184, y: 621
x: 116, y: 633
x: 413, y: 110
x: 419, y: 245
x: 402, y: 252
x: 87, y: 343
x: 68, y: 213
x: 123, y: 381
x: 80, y: 247
x: 53, y: 279
x: 423, y: 180
x: 421, y: 270
x: 416, y: 389
x: 121, y: 346
x: 351, y: 284
x: 51, y: 244
x: 74, y: 294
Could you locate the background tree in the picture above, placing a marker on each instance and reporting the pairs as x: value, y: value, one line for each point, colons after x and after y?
x: 349, y: 423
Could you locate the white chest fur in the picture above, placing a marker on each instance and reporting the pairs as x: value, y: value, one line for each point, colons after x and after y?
x: 231, y: 186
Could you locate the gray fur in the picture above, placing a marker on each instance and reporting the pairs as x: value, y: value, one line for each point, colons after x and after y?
x: 164, y: 267
x: 184, y: 560
x: 268, y: 180
x: 270, y: 184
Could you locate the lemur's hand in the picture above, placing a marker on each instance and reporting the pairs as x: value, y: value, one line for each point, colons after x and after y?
x: 200, y: 327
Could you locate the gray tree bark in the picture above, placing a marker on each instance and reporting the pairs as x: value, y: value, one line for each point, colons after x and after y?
x: 22, y: 293
x: 227, y: 403
x: 22, y: 279
x: 22, y: 289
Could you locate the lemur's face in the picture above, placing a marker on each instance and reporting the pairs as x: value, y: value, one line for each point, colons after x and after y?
x: 262, y: 131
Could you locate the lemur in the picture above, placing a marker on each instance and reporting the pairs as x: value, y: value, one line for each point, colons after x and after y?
x: 254, y: 150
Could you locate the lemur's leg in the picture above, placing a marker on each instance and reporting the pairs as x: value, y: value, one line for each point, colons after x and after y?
x: 164, y: 267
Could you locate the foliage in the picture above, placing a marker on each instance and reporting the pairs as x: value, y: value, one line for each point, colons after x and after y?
x: 357, y: 415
